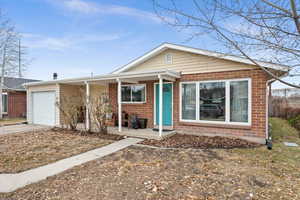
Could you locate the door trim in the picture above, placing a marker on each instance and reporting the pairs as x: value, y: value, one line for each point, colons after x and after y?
x: 154, y: 100
x: 32, y: 104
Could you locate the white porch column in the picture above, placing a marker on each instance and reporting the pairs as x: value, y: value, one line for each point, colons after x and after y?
x: 87, y: 118
x: 160, y: 105
x: 120, y: 104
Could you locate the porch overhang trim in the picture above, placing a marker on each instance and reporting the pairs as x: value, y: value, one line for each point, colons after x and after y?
x: 126, y: 76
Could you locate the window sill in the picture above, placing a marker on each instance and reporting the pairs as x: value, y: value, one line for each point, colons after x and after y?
x: 133, y: 103
x: 216, y: 125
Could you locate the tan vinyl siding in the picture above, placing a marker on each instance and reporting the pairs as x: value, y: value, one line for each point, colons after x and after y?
x: 189, y: 63
x: 97, y: 90
x: 76, y: 90
x: 70, y: 91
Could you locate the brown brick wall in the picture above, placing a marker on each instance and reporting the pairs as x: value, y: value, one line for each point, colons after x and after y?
x: 257, y: 127
x: 143, y: 110
x: 16, y: 104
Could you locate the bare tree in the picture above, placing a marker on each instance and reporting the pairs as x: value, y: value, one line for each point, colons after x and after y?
x: 267, y: 30
x: 99, y: 109
x: 10, y: 52
x: 71, y: 109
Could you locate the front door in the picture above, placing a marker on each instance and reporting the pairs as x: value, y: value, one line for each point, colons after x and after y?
x: 167, y: 104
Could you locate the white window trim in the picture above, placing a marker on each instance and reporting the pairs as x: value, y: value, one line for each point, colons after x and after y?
x: 5, y: 93
x: 134, y: 102
x: 227, y: 102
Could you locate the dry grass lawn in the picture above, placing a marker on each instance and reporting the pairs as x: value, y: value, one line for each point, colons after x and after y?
x: 6, y: 122
x: 20, y: 152
x: 147, y: 173
x: 144, y: 173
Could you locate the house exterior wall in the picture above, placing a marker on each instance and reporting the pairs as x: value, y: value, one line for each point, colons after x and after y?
x: 258, y: 121
x: 189, y: 63
x: 62, y: 90
x: 69, y: 91
x: 143, y: 110
x: 97, y: 90
x: 16, y: 104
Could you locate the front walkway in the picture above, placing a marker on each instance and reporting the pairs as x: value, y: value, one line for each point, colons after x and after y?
x: 11, y: 182
x: 147, y: 133
x: 21, y: 128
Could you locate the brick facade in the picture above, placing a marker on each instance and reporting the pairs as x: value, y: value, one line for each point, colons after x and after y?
x: 257, y: 128
x: 16, y: 104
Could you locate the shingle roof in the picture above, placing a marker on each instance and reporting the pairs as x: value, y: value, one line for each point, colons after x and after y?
x: 11, y: 83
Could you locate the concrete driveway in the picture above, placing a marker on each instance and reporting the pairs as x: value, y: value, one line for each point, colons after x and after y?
x: 21, y: 128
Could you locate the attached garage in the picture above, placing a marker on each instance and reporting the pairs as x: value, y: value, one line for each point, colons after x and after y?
x: 43, y: 107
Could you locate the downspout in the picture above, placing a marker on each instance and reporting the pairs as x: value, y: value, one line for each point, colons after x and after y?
x: 268, y: 94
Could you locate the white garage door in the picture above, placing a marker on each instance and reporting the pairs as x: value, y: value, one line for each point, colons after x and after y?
x: 43, y: 107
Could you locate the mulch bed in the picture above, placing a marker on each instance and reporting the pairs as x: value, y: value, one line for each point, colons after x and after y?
x: 201, y: 142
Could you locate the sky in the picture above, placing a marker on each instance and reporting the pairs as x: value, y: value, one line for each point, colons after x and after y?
x: 78, y: 37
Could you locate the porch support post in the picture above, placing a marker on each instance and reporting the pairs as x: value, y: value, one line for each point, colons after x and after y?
x: 160, y: 105
x: 87, y: 118
x: 119, y: 105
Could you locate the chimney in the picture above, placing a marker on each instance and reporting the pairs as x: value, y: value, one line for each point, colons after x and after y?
x: 54, y: 76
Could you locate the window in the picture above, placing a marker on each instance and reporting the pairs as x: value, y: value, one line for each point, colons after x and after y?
x: 239, y: 101
x: 4, y: 102
x: 225, y: 101
x: 212, y: 101
x: 189, y: 101
x: 133, y: 94
x: 168, y: 58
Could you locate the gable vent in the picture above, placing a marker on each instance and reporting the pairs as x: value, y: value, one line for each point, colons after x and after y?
x: 168, y: 58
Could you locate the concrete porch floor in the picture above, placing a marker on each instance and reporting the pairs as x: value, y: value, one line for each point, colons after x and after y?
x: 147, y: 133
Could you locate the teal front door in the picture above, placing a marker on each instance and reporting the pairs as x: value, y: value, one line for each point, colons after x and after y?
x: 167, y: 104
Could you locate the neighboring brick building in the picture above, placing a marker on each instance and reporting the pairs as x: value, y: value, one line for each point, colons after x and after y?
x: 14, y: 97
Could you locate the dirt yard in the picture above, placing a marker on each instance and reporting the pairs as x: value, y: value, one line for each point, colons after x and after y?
x: 145, y: 173
x: 20, y: 152
x: 185, y: 174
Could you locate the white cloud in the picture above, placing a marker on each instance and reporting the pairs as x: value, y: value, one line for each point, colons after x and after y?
x: 89, y: 8
x: 63, y: 43
x: 80, y: 6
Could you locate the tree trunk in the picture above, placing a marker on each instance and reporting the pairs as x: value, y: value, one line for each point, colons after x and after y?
x: 2, y: 82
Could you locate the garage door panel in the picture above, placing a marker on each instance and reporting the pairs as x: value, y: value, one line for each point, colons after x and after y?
x: 43, y: 104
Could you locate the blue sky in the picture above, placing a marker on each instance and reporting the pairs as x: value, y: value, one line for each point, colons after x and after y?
x: 78, y: 37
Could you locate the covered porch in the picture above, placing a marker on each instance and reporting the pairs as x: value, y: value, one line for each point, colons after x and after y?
x: 157, y: 78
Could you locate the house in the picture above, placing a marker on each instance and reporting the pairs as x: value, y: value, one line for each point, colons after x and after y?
x: 204, y: 92
x: 14, y: 97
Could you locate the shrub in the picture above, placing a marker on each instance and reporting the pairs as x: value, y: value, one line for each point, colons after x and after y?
x: 99, y: 109
x: 295, y: 122
x: 71, y: 109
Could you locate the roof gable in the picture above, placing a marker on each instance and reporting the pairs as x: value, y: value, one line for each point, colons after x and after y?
x: 158, y: 50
